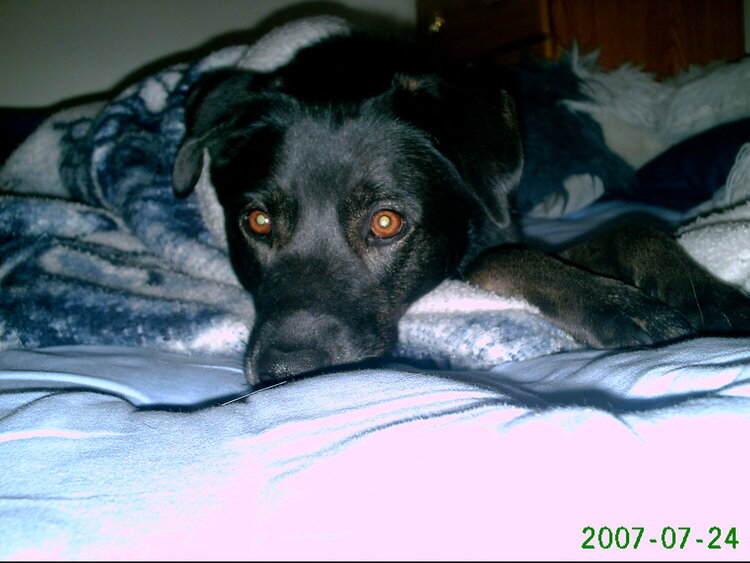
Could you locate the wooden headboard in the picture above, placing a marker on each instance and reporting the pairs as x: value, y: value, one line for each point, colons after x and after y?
x: 662, y: 35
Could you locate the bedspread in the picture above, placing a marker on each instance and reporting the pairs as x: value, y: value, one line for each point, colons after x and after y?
x: 507, y: 464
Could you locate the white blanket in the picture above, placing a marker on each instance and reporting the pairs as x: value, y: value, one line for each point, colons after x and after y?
x: 508, y: 464
x: 718, y: 236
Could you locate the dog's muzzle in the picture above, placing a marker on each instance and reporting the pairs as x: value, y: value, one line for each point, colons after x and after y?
x: 298, y: 343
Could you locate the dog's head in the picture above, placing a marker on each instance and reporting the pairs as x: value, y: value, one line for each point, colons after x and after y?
x: 346, y: 196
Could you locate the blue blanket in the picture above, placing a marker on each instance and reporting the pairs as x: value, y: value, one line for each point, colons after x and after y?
x: 96, y: 249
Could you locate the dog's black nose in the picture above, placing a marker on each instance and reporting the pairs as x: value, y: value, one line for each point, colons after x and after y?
x: 297, y: 343
x: 276, y: 363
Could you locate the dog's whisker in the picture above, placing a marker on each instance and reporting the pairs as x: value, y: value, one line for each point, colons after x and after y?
x: 246, y: 395
x: 697, y: 301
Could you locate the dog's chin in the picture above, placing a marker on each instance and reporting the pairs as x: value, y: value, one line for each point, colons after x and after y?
x: 260, y: 379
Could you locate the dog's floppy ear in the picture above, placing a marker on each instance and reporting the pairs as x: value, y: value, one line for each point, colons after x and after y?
x: 213, y: 103
x: 475, y: 128
x: 187, y: 167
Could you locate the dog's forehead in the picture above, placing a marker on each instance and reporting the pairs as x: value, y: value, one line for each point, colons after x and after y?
x: 332, y: 157
x: 329, y: 145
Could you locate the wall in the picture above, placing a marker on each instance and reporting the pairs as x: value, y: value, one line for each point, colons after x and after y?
x: 53, y: 50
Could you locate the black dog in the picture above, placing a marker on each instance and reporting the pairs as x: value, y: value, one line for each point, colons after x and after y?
x: 360, y: 175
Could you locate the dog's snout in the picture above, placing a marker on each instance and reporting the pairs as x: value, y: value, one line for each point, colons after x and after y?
x: 298, y: 343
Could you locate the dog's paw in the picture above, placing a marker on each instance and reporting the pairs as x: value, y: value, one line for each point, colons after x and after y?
x: 709, y: 304
x: 722, y: 308
x: 596, y: 310
x: 617, y: 315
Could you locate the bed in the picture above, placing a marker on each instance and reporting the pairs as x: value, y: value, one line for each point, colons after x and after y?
x: 129, y: 431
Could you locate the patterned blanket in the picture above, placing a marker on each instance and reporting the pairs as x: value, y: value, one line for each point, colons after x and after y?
x: 96, y: 249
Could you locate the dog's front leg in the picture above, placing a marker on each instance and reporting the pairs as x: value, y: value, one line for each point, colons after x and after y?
x: 655, y: 263
x: 598, y: 311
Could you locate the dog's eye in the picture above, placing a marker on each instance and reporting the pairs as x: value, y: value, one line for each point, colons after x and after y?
x: 386, y: 224
x: 259, y: 222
